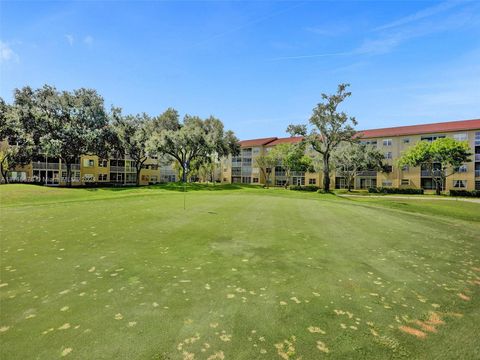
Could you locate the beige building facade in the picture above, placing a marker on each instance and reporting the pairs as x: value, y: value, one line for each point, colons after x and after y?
x: 392, y: 142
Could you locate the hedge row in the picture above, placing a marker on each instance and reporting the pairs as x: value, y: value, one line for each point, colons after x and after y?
x: 473, y: 193
x: 304, y: 188
x: 391, y: 190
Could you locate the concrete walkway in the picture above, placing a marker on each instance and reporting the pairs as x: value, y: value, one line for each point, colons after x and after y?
x: 419, y: 197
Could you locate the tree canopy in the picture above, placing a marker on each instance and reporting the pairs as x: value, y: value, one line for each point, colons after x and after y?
x: 291, y: 157
x: 350, y: 159
x: 16, y: 145
x: 191, y: 140
x: 328, y: 128
x: 132, y: 134
x: 266, y: 162
x: 440, y: 158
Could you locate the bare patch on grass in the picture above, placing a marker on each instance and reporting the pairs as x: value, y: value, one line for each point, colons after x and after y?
x: 415, y: 332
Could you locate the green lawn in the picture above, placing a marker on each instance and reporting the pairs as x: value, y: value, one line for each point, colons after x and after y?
x: 242, y: 273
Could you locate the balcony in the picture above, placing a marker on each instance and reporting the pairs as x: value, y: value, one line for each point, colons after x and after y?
x: 43, y: 165
x: 477, y: 173
x: 367, y: 173
x: 477, y: 157
x: 73, y: 167
x: 117, y: 169
x: 430, y: 173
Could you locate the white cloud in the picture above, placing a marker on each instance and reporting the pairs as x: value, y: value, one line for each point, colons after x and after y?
x: 422, y: 14
x: 390, y: 36
x: 6, y: 53
x: 88, y: 40
x: 70, y: 39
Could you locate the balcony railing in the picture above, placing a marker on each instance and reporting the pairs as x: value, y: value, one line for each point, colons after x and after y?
x: 43, y: 165
x: 73, y: 167
x: 117, y: 169
x: 367, y: 173
x: 477, y: 173
x: 477, y: 157
x: 430, y: 173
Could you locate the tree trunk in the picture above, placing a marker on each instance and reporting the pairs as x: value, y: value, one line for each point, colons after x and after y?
x: 326, y: 172
x: 137, y: 180
x: 4, y: 172
x: 69, y: 174
x: 184, y: 172
x: 438, y: 187
x: 349, y: 184
x: 5, y: 177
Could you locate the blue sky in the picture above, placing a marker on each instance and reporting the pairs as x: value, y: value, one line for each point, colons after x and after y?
x: 256, y: 65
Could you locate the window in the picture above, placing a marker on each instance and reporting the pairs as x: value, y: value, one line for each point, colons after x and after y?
x: 88, y: 163
x: 405, y: 168
x: 477, y: 185
x: 386, y: 183
x: 462, y: 169
x: 432, y: 138
x: 103, y: 163
x: 460, y: 184
x: 373, y: 143
x: 102, y: 177
x: 460, y: 137
x: 406, y: 140
x: 387, y: 142
x: 153, y: 178
x: 388, y: 168
x: 405, y: 182
x: 477, y: 138
x: 255, y: 180
x: 312, y: 181
x: 388, y: 155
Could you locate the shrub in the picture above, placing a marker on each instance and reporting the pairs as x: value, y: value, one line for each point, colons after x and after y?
x: 473, y: 193
x: 304, y: 188
x: 391, y: 190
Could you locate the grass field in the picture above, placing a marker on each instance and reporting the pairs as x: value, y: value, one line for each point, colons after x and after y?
x: 242, y: 273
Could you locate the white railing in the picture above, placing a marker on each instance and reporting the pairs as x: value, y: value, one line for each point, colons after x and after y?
x: 43, y: 165
x: 73, y: 167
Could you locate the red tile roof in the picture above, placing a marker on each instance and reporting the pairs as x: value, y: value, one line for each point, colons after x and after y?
x: 422, y: 129
x: 449, y: 126
x: 287, y: 140
x: 256, y: 142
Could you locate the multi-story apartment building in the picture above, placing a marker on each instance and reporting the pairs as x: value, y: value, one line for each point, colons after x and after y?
x: 242, y: 168
x: 391, y: 141
x: 89, y: 169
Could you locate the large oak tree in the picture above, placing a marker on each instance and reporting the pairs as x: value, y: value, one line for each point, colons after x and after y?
x: 327, y: 129
x: 64, y: 124
x: 193, y: 140
x: 132, y: 134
